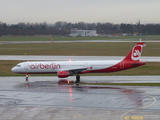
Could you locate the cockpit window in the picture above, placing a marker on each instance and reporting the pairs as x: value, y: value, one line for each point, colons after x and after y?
x: 18, y: 66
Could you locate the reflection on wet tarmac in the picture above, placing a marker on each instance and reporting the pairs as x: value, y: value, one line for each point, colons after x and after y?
x: 83, y: 95
x: 43, y: 98
x: 49, y: 93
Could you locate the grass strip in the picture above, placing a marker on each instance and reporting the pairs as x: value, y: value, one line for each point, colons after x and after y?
x: 41, y: 38
x: 77, y: 49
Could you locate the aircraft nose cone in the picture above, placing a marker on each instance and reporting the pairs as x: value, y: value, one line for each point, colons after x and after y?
x: 13, y: 69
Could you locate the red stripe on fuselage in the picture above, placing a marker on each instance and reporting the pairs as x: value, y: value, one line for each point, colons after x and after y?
x: 123, y: 65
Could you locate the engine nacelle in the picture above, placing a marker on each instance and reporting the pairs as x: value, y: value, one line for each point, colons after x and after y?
x: 63, y: 74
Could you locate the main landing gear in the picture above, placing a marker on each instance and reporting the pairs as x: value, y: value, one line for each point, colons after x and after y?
x: 77, y: 79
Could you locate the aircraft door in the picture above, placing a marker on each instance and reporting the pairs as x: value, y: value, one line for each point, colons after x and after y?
x: 26, y: 66
x: 86, y: 65
x: 122, y: 64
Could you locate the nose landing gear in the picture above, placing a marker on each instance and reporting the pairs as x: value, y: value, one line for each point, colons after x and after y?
x: 27, y: 75
x: 27, y: 83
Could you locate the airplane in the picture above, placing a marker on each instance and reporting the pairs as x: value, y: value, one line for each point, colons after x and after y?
x: 69, y: 68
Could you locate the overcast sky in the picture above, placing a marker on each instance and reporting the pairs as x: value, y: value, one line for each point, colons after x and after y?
x: 89, y: 11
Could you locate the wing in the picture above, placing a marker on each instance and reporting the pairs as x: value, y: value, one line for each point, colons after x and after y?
x: 79, y: 69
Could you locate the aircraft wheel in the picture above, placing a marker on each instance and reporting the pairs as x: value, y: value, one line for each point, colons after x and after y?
x: 27, y: 78
x: 77, y: 79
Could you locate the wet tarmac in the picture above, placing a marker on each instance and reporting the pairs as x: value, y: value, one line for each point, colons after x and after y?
x: 43, y: 98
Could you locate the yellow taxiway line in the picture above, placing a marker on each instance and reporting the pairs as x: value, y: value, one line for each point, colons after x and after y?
x: 136, y: 117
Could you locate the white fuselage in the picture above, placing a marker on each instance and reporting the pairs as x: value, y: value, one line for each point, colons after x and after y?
x: 41, y: 67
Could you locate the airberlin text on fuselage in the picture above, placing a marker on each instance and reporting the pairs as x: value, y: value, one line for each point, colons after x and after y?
x: 44, y: 66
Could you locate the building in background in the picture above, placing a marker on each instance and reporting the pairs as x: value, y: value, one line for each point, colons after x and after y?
x: 81, y: 33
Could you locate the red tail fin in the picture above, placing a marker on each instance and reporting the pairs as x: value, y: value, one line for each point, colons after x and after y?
x: 135, y: 53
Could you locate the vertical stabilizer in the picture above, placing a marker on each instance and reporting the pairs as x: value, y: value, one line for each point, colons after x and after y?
x: 135, y: 53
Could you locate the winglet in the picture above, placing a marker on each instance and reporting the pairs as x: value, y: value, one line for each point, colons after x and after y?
x: 135, y: 53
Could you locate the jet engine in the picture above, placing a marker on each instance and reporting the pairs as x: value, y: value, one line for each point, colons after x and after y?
x: 63, y: 74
